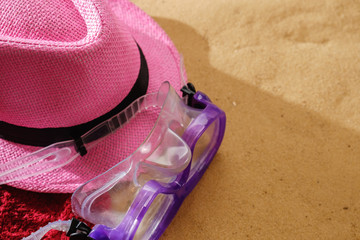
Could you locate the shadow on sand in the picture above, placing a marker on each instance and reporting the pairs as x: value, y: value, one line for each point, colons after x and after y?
x: 282, y: 172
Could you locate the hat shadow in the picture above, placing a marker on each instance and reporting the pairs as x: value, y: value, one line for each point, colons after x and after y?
x: 282, y: 170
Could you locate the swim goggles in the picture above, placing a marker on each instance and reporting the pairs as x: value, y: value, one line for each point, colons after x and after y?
x: 138, y: 197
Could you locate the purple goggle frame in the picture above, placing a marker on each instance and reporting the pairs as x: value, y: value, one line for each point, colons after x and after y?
x: 138, y: 197
x: 156, y: 203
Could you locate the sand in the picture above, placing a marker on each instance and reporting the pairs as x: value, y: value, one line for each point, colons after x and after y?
x: 287, y: 74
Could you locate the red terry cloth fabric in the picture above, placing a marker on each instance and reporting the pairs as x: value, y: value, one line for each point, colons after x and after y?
x: 23, y: 212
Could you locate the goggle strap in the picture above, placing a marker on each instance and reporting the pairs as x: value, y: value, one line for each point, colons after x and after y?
x: 62, y: 226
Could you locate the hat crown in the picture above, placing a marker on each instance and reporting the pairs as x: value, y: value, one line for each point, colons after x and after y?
x: 62, y: 63
x: 48, y: 21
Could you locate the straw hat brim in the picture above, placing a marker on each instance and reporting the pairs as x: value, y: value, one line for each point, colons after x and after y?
x: 163, y: 64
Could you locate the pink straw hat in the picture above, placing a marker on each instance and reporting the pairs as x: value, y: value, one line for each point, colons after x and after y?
x: 68, y: 62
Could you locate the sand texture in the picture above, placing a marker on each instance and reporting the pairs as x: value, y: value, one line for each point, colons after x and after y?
x: 287, y: 74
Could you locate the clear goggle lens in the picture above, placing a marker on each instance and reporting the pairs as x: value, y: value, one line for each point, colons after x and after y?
x: 156, y: 213
x: 164, y: 154
x: 161, y: 157
x: 107, y: 198
x: 204, y: 146
x: 154, y: 217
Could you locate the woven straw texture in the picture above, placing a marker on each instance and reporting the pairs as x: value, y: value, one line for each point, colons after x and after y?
x: 68, y: 62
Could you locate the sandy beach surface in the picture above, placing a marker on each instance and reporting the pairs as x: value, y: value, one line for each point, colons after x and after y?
x: 287, y: 74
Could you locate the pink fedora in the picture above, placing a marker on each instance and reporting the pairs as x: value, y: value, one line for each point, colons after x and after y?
x: 66, y: 65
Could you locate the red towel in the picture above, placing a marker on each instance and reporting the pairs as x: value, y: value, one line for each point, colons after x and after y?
x: 23, y: 212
